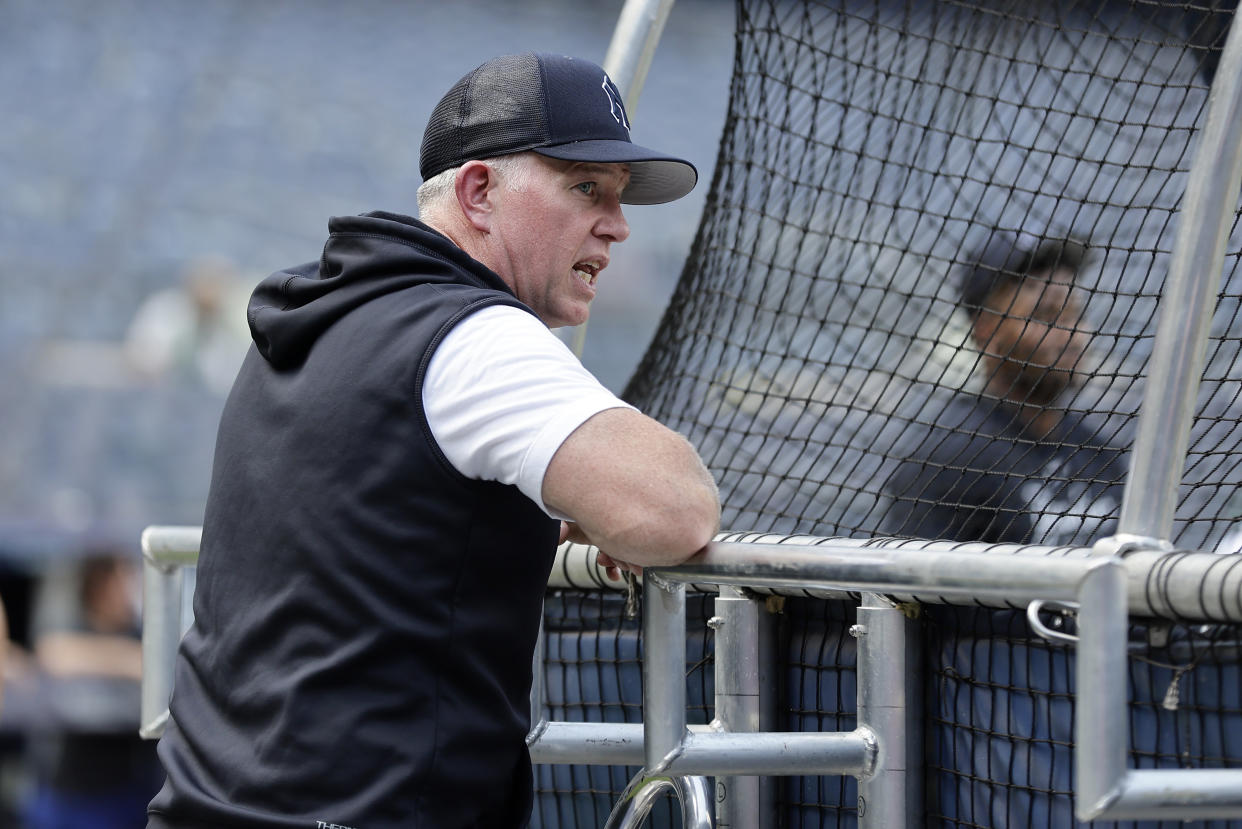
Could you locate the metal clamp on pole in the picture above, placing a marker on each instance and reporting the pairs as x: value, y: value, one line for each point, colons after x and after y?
x: 1042, y: 629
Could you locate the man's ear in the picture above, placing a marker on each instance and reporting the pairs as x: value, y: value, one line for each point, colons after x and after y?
x: 475, y: 185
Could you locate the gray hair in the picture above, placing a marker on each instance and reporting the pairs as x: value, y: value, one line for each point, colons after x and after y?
x: 514, y: 171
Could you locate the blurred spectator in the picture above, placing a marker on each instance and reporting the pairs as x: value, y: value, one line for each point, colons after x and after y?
x: 1013, y: 464
x: 91, y: 770
x: 196, y: 330
x: 16, y: 668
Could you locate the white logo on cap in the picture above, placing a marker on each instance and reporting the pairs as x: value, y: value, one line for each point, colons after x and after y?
x: 614, y: 102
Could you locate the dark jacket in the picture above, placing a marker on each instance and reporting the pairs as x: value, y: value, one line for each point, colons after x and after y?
x: 365, y: 617
x: 976, y: 476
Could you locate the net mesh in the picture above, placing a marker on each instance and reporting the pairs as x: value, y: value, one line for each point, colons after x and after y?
x: 1000, y: 716
x: 816, y: 352
x: 869, y: 149
x: 593, y: 673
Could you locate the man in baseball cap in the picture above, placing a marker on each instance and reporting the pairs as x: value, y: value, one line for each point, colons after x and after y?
x: 402, y: 449
x: 1011, y: 461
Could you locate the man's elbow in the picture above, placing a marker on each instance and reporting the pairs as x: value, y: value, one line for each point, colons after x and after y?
x: 692, y: 527
x: 707, y: 520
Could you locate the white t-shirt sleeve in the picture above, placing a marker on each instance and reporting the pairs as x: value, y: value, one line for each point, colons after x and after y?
x: 502, y: 393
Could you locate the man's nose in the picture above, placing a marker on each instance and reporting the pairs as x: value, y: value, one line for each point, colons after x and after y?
x: 613, y: 225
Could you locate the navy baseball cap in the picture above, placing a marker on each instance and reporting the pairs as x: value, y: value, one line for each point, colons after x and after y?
x: 1004, y: 259
x: 557, y: 106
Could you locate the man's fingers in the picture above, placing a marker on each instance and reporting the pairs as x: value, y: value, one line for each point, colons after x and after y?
x: 611, y: 568
x: 614, y: 567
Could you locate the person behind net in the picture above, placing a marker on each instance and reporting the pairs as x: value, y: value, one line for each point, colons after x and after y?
x: 1012, y: 463
x: 404, y: 446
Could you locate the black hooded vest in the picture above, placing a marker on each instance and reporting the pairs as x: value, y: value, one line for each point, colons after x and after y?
x: 364, y: 615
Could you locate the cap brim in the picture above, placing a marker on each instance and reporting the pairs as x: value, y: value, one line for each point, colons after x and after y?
x: 655, y: 178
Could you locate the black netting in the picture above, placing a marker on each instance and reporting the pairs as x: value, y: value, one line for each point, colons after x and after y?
x: 593, y: 673
x: 816, y: 352
x: 819, y: 693
x: 815, y: 340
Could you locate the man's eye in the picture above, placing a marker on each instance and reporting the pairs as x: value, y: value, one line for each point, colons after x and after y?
x: 586, y: 187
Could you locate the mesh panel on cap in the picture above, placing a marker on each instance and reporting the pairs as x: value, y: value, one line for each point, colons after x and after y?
x: 440, y: 145
x: 496, y: 109
x: 506, y: 107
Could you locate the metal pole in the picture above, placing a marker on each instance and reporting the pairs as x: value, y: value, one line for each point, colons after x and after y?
x: 1161, y: 583
x: 1179, y: 584
x: 574, y: 743
x: 664, y: 670
x: 633, y: 46
x: 1100, y: 722
x: 891, y: 797
x: 1178, y: 794
x: 932, y: 568
x: 169, y: 546
x: 1186, y: 307
x: 1105, y: 789
x: 738, y: 689
x: 162, y: 580
x: 161, y: 633
x: 538, y: 690
x: 628, y: 58
x: 776, y: 753
x: 711, y: 753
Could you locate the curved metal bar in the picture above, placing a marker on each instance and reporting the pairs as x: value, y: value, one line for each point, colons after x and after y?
x: 170, y: 547
x: 165, y: 552
x: 1036, y: 621
x: 640, y: 795
x: 1186, y: 307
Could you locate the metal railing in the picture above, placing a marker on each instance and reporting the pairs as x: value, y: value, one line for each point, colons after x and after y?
x: 881, y: 752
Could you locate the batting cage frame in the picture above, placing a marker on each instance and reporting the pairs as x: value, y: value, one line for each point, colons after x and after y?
x: 849, y: 680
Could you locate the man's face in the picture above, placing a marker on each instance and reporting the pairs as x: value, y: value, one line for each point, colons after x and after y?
x: 554, y: 233
x: 1033, y: 338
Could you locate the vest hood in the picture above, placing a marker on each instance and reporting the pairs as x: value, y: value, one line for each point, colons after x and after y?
x: 366, y: 257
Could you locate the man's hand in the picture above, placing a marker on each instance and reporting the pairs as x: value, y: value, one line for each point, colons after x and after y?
x: 613, y: 567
